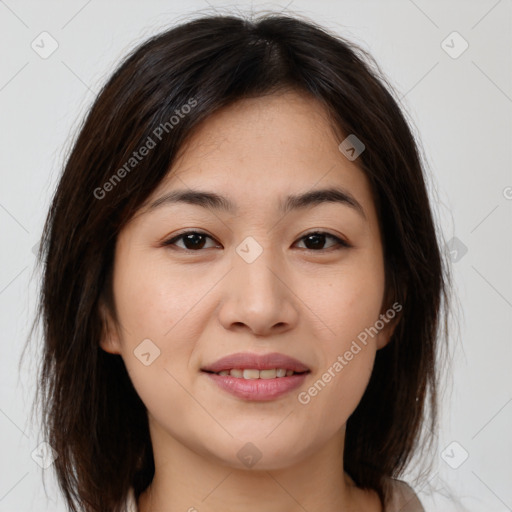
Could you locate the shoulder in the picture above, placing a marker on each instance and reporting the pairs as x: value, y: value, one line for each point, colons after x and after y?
x: 402, y: 498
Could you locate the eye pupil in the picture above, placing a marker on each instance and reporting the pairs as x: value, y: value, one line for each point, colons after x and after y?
x: 318, y: 241
x: 194, y: 241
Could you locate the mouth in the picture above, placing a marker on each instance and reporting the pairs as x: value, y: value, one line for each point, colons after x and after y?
x: 254, y: 373
x: 248, y: 365
x: 257, y: 377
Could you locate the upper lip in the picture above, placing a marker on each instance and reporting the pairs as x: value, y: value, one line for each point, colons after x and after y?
x: 246, y: 360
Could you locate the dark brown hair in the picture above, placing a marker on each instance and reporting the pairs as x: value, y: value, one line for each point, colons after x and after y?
x: 92, y: 416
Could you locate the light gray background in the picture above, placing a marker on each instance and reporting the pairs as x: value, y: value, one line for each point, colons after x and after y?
x: 460, y: 106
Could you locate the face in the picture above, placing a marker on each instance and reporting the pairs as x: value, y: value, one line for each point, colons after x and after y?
x: 195, y: 281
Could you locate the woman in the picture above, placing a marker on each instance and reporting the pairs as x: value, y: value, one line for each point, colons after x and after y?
x: 242, y: 281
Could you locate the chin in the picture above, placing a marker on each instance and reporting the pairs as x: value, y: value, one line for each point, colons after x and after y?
x: 263, y: 454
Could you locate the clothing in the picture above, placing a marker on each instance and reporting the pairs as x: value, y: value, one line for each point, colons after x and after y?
x: 403, y: 500
x: 131, y: 504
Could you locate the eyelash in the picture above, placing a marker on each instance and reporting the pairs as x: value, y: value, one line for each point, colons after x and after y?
x: 342, y: 244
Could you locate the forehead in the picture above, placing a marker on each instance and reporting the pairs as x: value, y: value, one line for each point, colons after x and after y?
x: 280, y: 128
x: 261, y: 150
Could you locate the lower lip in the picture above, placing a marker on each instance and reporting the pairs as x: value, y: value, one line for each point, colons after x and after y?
x: 258, y: 389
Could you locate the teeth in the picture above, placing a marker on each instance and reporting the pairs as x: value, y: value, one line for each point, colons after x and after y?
x: 250, y: 373
x: 268, y: 374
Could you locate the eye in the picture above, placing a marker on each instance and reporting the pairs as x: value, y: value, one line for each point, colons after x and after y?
x: 192, y: 240
x: 315, y: 241
x: 196, y: 240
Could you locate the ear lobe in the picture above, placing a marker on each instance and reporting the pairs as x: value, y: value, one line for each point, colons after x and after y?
x: 390, y: 318
x: 391, y: 312
x: 109, y: 341
x: 385, y: 334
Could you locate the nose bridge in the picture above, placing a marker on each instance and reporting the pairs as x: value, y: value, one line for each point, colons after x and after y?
x: 257, y: 296
x: 255, y: 268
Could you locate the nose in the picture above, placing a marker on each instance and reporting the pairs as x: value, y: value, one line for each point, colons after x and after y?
x: 258, y: 297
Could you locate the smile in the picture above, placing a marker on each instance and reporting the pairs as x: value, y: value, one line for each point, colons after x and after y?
x: 257, y: 390
x: 252, y: 373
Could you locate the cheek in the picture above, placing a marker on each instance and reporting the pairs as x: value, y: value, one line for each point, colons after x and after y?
x: 336, y: 388
x: 347, y: 303
x: 349, y: 307
x: 158, y: 313
x: 154, y: 299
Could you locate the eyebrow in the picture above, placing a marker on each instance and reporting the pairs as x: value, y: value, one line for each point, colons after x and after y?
x: 214, y: 201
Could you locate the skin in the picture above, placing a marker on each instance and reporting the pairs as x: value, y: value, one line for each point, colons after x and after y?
x: 201, y: 305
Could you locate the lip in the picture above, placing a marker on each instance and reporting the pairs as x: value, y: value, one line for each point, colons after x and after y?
x: 247, y: 360
x: 258, y: 390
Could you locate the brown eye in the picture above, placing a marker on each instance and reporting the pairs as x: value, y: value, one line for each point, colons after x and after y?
x: 316, y: 241
x: 192, y: 240
x: 196, y: 240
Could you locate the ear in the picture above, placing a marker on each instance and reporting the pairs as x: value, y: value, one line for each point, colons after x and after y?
x: 109, y: 341
x: 389, y: 318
